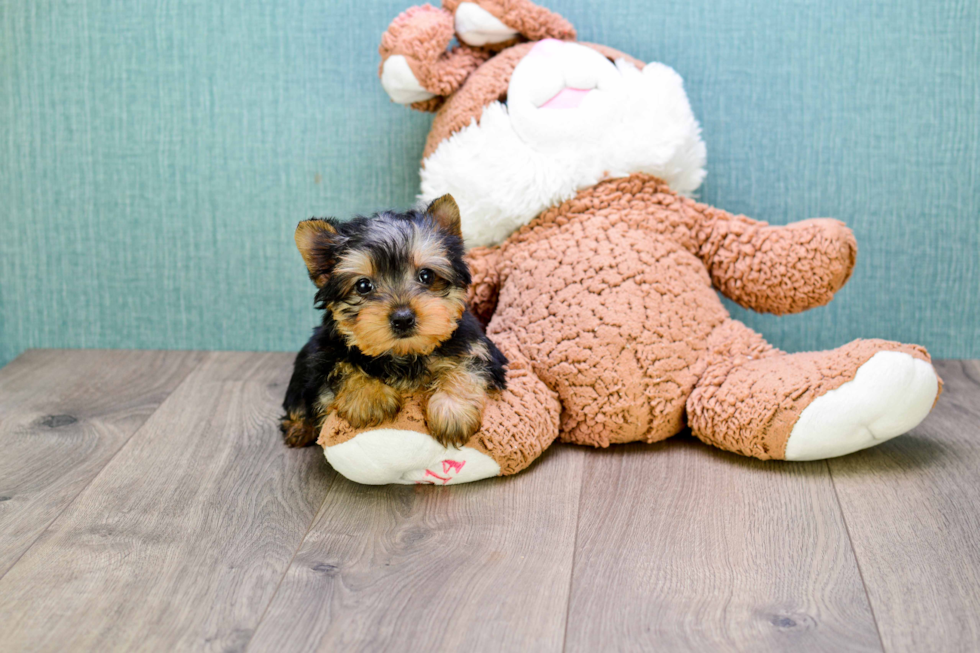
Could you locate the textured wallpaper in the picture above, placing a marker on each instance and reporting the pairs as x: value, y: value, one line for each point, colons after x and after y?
x: 156, y: 156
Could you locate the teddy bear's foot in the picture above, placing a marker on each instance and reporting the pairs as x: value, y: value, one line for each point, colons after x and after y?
x: 406, y: 457
x: 889, y: 395
x: 758, y: 401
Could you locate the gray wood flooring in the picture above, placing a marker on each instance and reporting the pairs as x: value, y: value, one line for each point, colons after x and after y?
x: 147, y: 504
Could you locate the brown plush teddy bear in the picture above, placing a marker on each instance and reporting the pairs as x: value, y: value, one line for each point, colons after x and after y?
x: 597, y: 276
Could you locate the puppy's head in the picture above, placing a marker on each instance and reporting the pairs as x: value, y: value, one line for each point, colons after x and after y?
x: 394, y: 283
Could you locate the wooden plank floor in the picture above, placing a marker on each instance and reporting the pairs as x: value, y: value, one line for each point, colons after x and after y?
x: 146, y: 503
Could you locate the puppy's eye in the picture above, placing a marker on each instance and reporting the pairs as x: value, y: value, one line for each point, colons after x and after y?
x: 363, y: 286
x: 426, y: 276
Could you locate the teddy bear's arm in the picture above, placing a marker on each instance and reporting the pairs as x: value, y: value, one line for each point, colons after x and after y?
x: 496, y: 23
x: 774, y: 269
x: 416, y: 68
x: 482, y: 294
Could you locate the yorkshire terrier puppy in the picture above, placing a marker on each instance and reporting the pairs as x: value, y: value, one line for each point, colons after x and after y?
x: 393, y: 291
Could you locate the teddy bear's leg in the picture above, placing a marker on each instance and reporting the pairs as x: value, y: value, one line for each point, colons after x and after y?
x: 518, y: 425
x: 757, y: 401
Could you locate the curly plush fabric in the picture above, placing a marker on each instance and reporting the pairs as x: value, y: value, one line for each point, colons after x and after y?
x: 610, y: 296
x: 776, y: 269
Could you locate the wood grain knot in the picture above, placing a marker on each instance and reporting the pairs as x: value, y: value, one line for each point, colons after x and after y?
x: 56, y: 421
x: 792, y: 621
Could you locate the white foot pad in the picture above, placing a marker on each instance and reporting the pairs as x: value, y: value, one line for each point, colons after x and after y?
x: 889, y: 396
x: 477, y: 26
x: 399, y: 81
x: 405, y: 457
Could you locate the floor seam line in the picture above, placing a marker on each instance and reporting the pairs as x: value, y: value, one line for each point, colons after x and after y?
x: 857, y: 561
x: 571, y: 574
x: 289, y: 565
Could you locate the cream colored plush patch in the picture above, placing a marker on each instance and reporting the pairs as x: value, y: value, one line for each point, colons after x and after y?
x: 477, y: 26
x: 890, y: 395
x: 405, y: 457
x: 400, y: 83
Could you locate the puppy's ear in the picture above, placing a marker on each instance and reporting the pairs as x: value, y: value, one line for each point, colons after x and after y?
x: 316, y: 240
x: 445, y: 211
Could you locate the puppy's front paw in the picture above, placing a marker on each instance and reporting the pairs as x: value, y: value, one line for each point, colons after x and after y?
x: 453, y: 420
x: 370, y: 405
x: 297, y: 431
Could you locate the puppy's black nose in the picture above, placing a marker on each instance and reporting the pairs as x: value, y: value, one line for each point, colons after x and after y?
x: 402, y: 320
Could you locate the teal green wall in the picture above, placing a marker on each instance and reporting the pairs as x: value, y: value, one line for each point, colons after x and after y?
x: 155, y: 156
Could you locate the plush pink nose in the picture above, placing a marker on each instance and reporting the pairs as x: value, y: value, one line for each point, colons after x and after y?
x: 567, y: 98
x: 546, y: 48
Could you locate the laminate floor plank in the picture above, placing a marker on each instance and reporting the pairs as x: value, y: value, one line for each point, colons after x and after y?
x: 479, y: 567
x: 912, y: 507
x: 685, y: 548
x: 180, y: 542
x: 63, y: 416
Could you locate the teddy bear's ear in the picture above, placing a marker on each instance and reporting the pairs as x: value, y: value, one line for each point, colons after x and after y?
x: 416, y: 67
x: 445, y: 211
x: 498, y: 23
x: 316, y: 240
